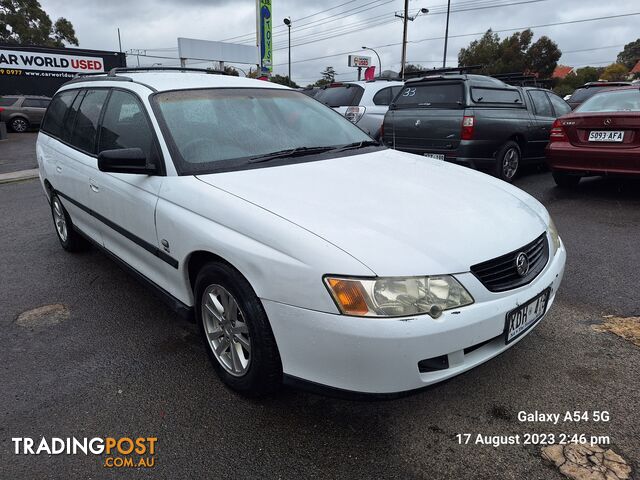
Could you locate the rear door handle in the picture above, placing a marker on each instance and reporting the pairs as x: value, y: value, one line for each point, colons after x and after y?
x: 93, y: 186
x: 58, y: 169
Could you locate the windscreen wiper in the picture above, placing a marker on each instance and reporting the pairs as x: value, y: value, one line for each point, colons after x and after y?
x: 356, y: 145
x: 291, y: 152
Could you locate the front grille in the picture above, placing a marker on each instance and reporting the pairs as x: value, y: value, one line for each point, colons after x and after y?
x: 500, y: 274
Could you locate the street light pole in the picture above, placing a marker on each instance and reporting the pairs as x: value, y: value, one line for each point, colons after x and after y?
x: 379, y: 61
x: 287, y: 22
x: 446, y: 35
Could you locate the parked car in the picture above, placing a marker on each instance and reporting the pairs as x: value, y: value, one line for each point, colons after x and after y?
x: 588, y: 90
x: 473, y: 120
x: 20, y: 112
x: 600, y: 137
x: 363, y: 103
x: 310, y: 91
x: 291, y: 236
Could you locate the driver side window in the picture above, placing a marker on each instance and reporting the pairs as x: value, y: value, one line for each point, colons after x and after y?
x: 125, y: 126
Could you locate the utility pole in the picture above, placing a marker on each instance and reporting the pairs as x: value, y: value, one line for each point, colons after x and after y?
x: 405, y: 20
x: 119, y: 41
x: 446, y: 35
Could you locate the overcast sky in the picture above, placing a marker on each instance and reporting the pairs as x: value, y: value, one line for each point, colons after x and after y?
x: 154, y: 25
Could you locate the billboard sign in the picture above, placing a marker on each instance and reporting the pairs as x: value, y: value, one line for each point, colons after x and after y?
x: 191, y: 48
x: 265, y: 36
x: 359, y: 61
x: 49, y: 62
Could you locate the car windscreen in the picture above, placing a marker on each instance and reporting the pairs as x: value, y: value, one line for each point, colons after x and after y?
x: 229, y: 128
x: 433, y: 95
x: 347, y: 95
x: 612, y: 101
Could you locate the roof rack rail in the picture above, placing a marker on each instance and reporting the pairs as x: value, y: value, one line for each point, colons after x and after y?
x: 523, y: 79
x: 436, y: 71
x: 114, y: 71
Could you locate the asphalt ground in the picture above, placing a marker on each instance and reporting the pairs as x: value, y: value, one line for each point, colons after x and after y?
x: 18, y: 152
x: 121, y: 364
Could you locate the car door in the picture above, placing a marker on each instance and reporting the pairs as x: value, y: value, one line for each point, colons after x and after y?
x: 543, y: 117
x: 73, y: 153
x: 560, y: 107
x: 124, y: 202
x: 33, y: 109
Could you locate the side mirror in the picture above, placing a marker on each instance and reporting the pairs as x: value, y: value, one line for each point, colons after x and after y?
x: 125, y: 160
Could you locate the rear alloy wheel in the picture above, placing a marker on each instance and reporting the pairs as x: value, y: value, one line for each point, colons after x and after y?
x: 236, y: 331
x: 566, y: 180
x: 70, y: 240
x: 508, y: 161
x: 19, y: 125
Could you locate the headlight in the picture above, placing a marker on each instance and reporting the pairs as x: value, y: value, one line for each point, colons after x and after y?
x: 555, y: 238
x: 397, y: 296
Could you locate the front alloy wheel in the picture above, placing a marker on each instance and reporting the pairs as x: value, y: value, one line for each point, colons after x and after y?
x: 226, y: 330
x: 236, y: 331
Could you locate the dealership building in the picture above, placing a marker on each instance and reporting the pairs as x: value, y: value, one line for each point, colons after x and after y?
x: 42, y: 70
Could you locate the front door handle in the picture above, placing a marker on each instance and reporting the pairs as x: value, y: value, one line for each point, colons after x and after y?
x: 58, y: 169
x: 94, y: 187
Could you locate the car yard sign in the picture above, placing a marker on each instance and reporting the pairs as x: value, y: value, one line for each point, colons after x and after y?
x: 264, y: 35
x: 49, y: 62
x: 359, y: 61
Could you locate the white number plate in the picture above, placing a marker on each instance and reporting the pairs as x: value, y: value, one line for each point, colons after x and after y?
x: 606, y: 136
x: 435, y: 156
x: 523, y: 317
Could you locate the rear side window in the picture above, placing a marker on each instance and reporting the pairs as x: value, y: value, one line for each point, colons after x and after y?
x: 437, y: 95
x: 86, y: 124
x: 541, y: 103
x: 32, y: 102
x: 70, y: 119
x: 347, y: 95
x: 7, y: 101
x: 386, y: 95
x: 559, y: 105
x: 613, y: 101
x: 125, y: 125
x: 496, y: 95
x: 54, y: 119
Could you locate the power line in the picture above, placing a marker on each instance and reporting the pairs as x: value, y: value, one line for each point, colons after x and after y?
x: 570, y: 22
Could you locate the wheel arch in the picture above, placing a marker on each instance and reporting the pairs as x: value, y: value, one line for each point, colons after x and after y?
x: 197, y: 259
x: 520, y: 139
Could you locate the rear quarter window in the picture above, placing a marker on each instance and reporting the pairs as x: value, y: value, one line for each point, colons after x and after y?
x: 348, y: 95
x: 54, y: 118
x: 437, y: 95
x: 7, y: 101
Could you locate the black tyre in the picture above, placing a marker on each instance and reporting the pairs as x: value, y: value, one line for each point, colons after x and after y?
x: 19, y: 124
x: 236, y: 331
x: 566, y: 180
x: 69, y: 238
x: 508, y: 161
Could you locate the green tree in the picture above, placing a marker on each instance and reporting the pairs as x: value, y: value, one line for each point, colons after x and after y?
x: 284, y: 80
x: 25, y: 22
x: 615, y: 72
x: 630, y: 54
x: 229, y: 70
x: 513, y: 54
x: 572, y: 81
x: 328, y: 76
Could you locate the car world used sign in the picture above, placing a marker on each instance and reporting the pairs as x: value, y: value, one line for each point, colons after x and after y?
x: 24, y: 60
x: 359, y: 61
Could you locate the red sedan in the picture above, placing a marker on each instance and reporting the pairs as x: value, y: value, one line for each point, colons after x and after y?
x: 600, y: 137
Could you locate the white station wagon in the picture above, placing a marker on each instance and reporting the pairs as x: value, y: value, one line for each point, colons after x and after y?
x: 306, y: 252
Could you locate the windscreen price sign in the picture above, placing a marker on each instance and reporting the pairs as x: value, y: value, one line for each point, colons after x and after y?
x: 359, y: 61
x: 49, y: 62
